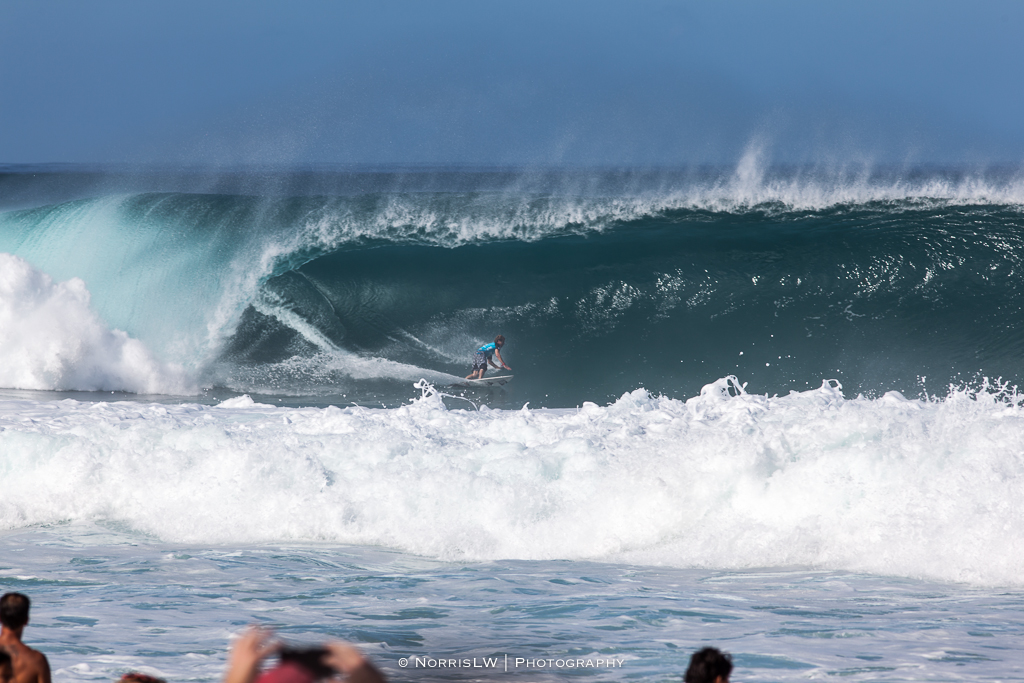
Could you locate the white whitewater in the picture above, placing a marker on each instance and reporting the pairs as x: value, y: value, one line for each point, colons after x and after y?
x: 914, y: 488
x: 52, y: 339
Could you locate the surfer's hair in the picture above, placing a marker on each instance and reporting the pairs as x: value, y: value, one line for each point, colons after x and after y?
x: 5, y: 658
x: 707, y: 665
x: 14, y: 610
x: 499, y: 338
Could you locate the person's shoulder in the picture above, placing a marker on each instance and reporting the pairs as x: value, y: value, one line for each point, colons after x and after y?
x: 36, y: 658
x: 36, y: 654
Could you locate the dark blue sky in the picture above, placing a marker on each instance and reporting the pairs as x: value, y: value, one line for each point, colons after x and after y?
x: 595, y: 82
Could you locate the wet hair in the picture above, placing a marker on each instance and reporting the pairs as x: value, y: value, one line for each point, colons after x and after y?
x: 708, y: 664
x: 499, y: 338
x: 137, y: 677
x: 14, y: 610
x: 5, y: 658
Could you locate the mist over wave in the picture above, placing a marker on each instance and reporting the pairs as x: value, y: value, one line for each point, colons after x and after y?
x: 349, y: 285
x: 922, y: 488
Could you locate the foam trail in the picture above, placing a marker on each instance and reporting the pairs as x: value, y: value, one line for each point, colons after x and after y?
x: 726, y: 479
x: 328, y: 373
x: 51, y: 339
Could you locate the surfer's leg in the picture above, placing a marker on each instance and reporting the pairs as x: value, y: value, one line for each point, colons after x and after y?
x: 479, y: 365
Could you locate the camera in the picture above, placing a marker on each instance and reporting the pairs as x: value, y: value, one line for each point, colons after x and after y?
x: 309, y: 658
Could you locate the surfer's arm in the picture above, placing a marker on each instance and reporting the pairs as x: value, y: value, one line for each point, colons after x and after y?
x: 500, y: 360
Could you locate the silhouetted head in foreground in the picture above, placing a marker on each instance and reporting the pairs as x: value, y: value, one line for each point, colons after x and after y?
x: 6, y: 667
x: 14, y: 610
x: 709, y: 665
x: 137, y: 677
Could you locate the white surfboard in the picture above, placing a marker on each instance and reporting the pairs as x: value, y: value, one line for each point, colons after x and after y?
x: 495, y: 381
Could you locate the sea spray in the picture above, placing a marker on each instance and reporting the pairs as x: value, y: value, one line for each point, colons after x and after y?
x: 51, y: 339
x: 727, y: 479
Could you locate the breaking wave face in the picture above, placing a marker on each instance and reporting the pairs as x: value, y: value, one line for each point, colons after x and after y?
x: 726, y: 479
x: 332, y: 285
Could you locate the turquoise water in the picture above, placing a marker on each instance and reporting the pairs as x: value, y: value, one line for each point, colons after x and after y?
x: 346, y: 287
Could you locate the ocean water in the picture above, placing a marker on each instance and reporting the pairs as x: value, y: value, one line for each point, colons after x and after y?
x: 770, y: 409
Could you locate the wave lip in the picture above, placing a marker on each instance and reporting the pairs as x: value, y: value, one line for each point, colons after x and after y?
x: 754, y: 185
x: 51, y: 339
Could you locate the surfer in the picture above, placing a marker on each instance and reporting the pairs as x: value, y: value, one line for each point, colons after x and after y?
x: 483, y: 357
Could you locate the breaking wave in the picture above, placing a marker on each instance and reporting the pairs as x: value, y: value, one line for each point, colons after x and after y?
x: 602, y: 281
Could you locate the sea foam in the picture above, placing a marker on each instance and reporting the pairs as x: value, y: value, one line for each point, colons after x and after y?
x: 51, y: 339
x: 921, y: 488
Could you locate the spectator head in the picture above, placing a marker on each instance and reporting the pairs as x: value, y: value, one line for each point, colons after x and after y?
x: 299, y: 665
x: 6, y: 667
x: 14, y: 610
x: 709, y: 665
x: 288, y: 672
x: 136, y: 677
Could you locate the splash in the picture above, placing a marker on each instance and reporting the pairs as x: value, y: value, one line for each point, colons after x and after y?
x: 51, y: 339
x: 726, y: 479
